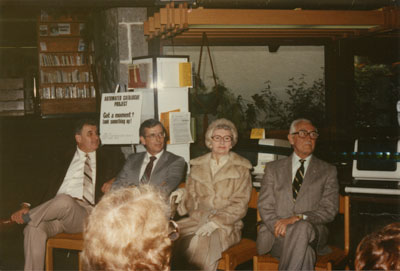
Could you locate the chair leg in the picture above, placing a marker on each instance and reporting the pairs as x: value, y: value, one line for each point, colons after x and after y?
x: 255, y: 263
x: 49, y: 258
x: 79, y: 262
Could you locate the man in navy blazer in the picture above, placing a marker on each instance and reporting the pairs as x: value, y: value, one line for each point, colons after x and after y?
x: 62, y: 207
x: 293, y: 222
x: 168, y: 169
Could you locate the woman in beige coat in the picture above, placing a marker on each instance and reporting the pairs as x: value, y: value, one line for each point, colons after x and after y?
x: 215, y: 199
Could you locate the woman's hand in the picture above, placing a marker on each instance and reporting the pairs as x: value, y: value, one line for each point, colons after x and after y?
x: 207, y: 229
x: 177, y: 195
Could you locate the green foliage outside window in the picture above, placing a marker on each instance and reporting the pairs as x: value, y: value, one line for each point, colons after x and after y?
x: 377, y: 91
x: 265, y: 109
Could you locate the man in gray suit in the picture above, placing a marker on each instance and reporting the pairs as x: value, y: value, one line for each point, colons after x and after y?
x: 156, y: 166
x: 298, y: 196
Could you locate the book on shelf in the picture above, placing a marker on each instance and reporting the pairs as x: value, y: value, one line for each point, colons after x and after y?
x: 56, y: 60
x: 60, y: 76
x: 66, y: 82
x: 67, y: 92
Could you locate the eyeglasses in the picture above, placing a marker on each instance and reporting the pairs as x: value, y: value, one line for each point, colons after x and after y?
x: 173, y: 229
x: 304, y: 134
x: 154, y: 136
x: 218, y: 138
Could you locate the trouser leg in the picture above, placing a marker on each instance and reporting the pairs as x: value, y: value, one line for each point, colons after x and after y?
x: 61, y: 214
x: 294, y: 250
x: 35, y: 243
x: 63, y: 208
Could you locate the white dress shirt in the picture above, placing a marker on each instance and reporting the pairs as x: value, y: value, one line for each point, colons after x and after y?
x: 73, y: 181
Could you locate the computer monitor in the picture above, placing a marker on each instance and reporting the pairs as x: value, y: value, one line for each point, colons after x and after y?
x: 265, y: 157
x: 372, y: 162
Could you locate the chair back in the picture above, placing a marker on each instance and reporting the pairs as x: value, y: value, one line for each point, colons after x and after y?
x: 253, y: 198
x: 344, y: 208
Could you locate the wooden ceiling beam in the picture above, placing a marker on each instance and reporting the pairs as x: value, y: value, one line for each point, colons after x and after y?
x: 202, y: 16
x: 237, y: 24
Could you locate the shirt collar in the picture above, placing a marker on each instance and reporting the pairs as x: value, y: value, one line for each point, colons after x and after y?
x: 158, y: 155
x: 222, y: 159
x: 297, y: 158
x: 82, y: 154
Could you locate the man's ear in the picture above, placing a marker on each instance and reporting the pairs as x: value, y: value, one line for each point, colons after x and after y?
x: 142, y: 140
x: 290, y: 138
x: 78, y: 138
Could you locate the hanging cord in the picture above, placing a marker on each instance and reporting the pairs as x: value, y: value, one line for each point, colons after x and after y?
x: 206, y: 108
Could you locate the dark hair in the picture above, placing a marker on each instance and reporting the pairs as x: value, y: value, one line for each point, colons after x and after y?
x: 150, y: 123
x: 82, y: 122
x: 380, y: 250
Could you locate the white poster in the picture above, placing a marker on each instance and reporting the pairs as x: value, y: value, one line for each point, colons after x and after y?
x: 179, y: 128
x: 120, y: 118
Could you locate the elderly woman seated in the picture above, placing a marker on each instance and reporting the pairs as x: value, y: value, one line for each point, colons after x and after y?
x: 215, y: 199
x: 128, y: 230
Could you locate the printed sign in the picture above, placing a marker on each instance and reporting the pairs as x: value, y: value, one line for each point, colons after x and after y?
x: 120, y: 118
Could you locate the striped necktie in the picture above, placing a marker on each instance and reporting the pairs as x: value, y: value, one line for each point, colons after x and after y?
x: 147, y: 172
x: 298, y: 179
x: 88, y: 191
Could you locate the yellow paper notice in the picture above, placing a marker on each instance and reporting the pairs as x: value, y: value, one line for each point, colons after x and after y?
x: 257, y: 133
x: 164, y: 119
x: 185, y: 74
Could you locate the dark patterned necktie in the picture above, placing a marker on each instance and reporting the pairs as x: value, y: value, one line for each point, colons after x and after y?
x: 298, y: 179
x: 88, y: 194
x: 147, y: 172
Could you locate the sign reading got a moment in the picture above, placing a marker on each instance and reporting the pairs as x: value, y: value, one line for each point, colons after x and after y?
x: 120, y: 118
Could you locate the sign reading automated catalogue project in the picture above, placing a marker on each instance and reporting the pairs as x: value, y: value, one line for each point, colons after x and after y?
x: 120, y: 118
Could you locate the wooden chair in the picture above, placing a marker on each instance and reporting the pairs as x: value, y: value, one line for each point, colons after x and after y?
x: 324, y: 262
x: 232, y: 257
x: 243, y: 251
x: 73, y: 241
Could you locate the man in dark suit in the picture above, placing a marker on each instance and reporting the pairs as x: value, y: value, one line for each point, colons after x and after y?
x: 298, y: 195
x: 156, y: 166
x: 75, y: 186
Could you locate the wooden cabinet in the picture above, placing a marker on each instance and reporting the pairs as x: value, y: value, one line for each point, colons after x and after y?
x: 65, y: 59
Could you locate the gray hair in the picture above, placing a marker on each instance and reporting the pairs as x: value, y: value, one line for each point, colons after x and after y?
x: 221, y: 124
x: 128, y: 230
x: 297, y: 121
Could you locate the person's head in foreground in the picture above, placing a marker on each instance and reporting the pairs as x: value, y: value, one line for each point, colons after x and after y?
x: 128, y: 230
x: 380, y: 250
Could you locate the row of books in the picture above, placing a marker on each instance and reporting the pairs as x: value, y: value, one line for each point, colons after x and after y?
x: 67, y: 92
x: 59, y: 76
x: 47, y: 60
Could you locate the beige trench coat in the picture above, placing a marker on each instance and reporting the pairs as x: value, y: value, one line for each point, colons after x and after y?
x: 222, y: 199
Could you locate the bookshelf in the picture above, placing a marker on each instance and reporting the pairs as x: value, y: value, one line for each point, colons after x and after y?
x: 65, y: 78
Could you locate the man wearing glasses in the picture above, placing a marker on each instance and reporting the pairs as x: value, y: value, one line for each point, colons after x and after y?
x: 298, y: 196
x: 156, y: 166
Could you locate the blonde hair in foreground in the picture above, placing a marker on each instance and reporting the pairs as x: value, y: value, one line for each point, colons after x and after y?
x: 128, y: 230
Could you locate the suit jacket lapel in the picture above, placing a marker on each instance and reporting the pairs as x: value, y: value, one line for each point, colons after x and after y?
x: 309, y: 177
x: 65, y: 163
x: 160, y: 164
x: 136, y: 169
x: 287, y: 178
